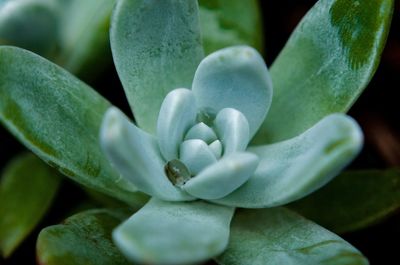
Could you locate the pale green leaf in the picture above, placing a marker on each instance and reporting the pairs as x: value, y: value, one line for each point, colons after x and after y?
x: 156, y: 47
x: 292, y: 169
x: 136, y: 156
x: 27, y: 188
x: 326, y: 64
x: 177, y: 114
x: 234, y: 77
x: 230, y: 22
x: 58, y: 117
x: 353, y: 200
x: 223, y: 177
x: 84, y: 238
x: 279, y: 236
x: 175, y: 232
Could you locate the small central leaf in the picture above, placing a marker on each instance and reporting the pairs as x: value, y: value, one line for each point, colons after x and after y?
x: 177, y: 172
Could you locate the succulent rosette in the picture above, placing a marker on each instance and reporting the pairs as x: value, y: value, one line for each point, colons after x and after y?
x: 201, y: 151
x: 216, y: 148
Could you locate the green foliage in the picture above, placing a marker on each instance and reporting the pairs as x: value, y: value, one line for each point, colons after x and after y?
x: 27, y: 189
x: 84, y: 238
x: 353, y: 200
x: 326, y: 64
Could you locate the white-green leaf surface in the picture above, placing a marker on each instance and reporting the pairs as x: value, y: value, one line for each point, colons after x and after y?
x: 279, y: 236
x: 325, y: 65
x: 234, y: 77
x: 136, y: 156
x: 156, y: 48
x: 173, y: 233
x: 58, y: 117
x: 292, y: 169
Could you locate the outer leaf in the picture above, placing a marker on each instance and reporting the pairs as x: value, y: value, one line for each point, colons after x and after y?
x: 27, y: 189
x: 30, y: 24
x: 279, y: 236
x: 58, y: 117
x: 84, y: 36
x: 292, y: 169
x: 353, y: 200
x: 156, y: 48
x: 221, y: 27
x: 84, y: 238
x: 175, y: 233
x: 326, y: 64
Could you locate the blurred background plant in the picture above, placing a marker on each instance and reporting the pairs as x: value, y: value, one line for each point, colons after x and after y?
x: 74, y: 34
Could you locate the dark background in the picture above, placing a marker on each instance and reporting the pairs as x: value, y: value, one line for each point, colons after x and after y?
x: 377, y: 111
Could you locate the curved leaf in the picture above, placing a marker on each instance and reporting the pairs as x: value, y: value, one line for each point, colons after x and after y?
x: 279, y: 236
x: 353, y: 200
x: 174, y: 232
x: 27, y: 189
x: 58, y: 117
x: 84, y: 238
x: 292, y: 169
x: 326, y: 64
x: 136, y: 156
x: 230, y: 22
x: 156, y: 47
x: 234, y: 77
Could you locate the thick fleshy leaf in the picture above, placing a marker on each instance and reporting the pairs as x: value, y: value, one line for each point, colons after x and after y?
x: 279, y: 236
x: 203, y: 132
x: 135, y: 154
x: 294, y: 168
x: 84, y: 36
x: 58, y: 117
x: 175, y: 232
x: 84, y: 238
x: 30, y: 24
x: 353, y: 200
x: 233, y: 130
x: 220, y: 26
x: 27, y: 189
x: 156, y: 47
x: 325, y: 65
x: 177, y: 115
x: 234, y: 77
x: 223, y: 177
x: 196, y: 155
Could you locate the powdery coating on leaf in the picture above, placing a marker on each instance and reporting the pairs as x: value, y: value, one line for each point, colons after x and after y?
x: 325, y: 65
x: 58, y: 117
x: 174, y: 232
x: 157, y: 58
x: 279, y: 236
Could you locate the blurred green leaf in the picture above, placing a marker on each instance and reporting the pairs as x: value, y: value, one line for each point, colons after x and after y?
x: 84, y: 36
x: 279, y: 236
x: 353, y: 200
x: 230, y: 22
x: 156, y: 47
x: 84, y: 238
x: 27, y: 188
x: 58, y: 117
x: 327, y: 62
x: 30, y: 24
